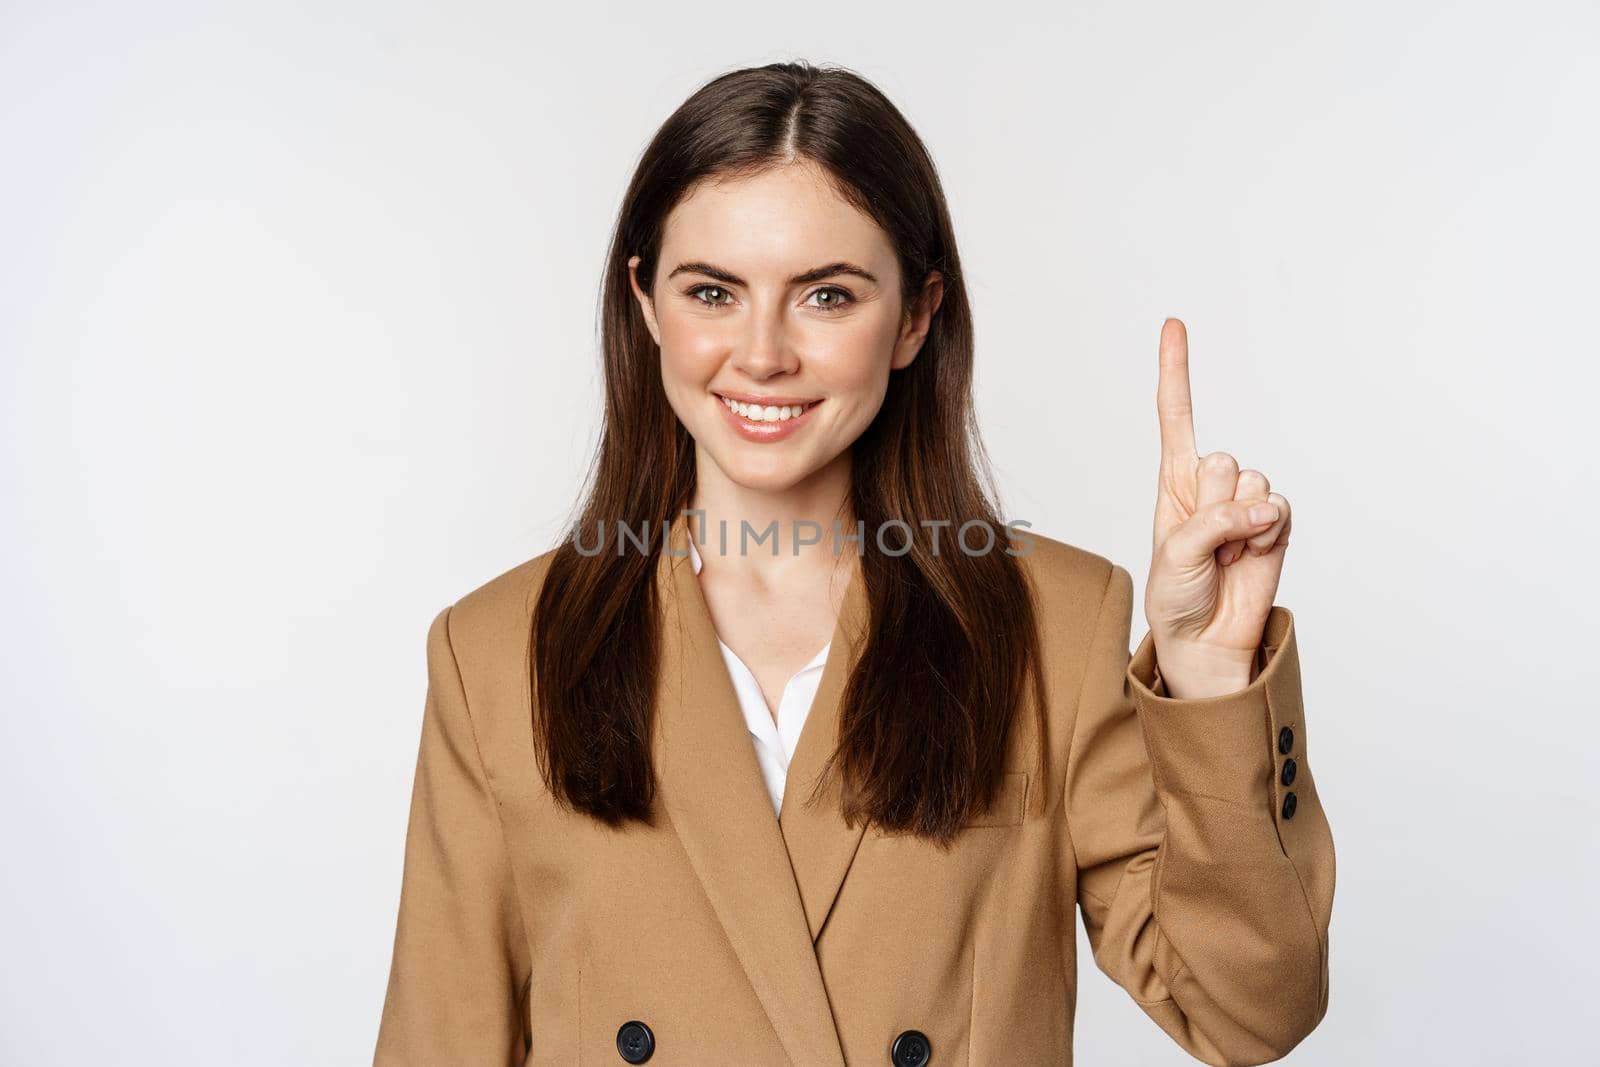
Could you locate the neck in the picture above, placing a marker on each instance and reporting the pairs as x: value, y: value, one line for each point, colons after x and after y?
x: 772, y: 532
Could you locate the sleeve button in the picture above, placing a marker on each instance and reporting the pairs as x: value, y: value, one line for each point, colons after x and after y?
x: 1288, y: 806
x: 1285, y: 741
x: 1289, y: 767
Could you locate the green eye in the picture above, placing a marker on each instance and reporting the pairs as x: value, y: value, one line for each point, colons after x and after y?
x: 841, y: 299
x: 697, y: 290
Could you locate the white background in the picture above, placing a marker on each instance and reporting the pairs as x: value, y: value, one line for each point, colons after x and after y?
x: 297, y: 317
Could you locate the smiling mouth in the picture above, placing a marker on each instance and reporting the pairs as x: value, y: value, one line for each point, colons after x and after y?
x: 766, y: 412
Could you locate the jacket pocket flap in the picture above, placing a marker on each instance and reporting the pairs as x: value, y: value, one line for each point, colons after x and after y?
x: 1010, y: 802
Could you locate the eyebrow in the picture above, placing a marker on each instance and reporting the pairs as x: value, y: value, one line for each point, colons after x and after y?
x: 815, y: 274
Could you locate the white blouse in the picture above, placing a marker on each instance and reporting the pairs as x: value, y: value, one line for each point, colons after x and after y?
x: 774, y: 741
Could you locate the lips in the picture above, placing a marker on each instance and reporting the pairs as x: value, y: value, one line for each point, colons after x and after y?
x: 766, y: 409
x: 767, y: 429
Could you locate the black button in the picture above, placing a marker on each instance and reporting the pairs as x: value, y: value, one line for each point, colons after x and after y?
x: 1289, y: 767
x: 635, y: 1041
x: 1288, y: 806
x: 1285, y: 741
x: 911, y: 1049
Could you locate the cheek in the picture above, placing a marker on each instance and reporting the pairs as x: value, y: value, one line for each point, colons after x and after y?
x: 856, y: 365
x: 690, y: 351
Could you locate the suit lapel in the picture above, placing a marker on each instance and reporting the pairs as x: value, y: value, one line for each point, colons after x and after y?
x: 710, y: 786
x: 821, y: 845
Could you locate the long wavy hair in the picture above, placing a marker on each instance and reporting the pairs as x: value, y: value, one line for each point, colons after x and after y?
x: 926, y: 711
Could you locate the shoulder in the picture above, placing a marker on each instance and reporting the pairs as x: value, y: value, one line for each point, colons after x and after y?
x: 1069, y: 578
x: 492, y: 622
x: 1080, y: 596
x: 1083, y: 602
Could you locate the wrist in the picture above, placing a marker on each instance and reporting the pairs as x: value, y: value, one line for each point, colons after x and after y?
x: 1196, y: 675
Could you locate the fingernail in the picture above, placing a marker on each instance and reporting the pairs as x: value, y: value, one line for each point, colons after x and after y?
x: 1261, y: 513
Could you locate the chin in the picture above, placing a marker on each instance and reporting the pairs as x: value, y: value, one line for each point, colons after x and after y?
x: 763, y: 477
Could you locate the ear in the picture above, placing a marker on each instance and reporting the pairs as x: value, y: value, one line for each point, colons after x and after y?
x: 645, y: 303
x: 919, y: 321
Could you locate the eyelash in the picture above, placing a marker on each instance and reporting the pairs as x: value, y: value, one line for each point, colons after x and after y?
x: 828, y: 309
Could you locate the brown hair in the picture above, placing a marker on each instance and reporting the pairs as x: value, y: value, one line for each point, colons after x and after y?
x: 926, y: 711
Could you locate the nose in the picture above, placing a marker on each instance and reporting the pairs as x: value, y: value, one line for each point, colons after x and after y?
x: 763, y: 351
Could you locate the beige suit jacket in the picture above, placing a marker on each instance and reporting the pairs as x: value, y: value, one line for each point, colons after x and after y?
x: 721, y: 935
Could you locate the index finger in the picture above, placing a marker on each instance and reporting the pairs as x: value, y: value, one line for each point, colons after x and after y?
x: 1173, y: 408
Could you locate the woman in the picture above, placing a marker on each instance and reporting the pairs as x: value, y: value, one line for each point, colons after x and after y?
x: 956, y: 741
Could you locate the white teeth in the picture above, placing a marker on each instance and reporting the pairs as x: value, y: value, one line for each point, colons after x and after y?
x: 770, y: 413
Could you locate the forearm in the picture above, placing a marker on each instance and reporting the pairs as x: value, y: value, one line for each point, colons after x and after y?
x: 1211, y: 906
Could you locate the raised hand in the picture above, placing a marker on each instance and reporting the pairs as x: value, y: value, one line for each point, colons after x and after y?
x: 1214, y: 567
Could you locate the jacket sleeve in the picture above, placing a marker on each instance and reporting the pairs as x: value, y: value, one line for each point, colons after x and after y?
x: 1205, y: 861
x: 461, y: 957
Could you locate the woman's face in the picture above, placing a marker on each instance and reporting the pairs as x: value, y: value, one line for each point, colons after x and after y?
x: 774, y: 292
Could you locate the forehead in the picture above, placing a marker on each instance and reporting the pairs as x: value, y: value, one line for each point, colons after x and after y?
x: 778, y: 223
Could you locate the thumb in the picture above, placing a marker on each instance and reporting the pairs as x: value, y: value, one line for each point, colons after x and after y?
x: 1216, y: 524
